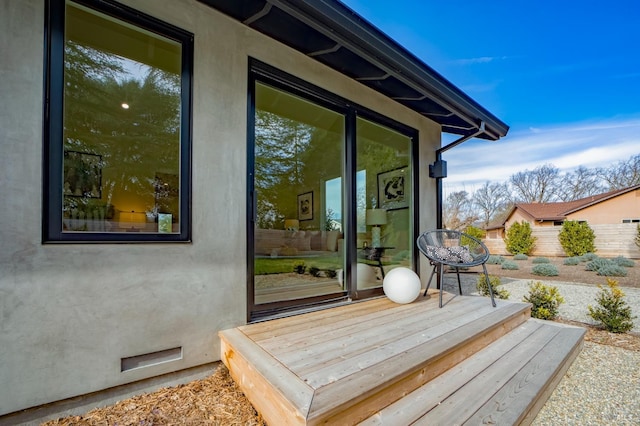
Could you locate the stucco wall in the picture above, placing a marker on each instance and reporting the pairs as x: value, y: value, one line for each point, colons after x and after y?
x: 613, y: 211
x: 70, y: 312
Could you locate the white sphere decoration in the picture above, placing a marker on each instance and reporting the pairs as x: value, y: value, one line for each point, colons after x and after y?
x: 401, y: 285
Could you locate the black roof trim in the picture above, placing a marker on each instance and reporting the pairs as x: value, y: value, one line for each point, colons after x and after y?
x: 335, y: 35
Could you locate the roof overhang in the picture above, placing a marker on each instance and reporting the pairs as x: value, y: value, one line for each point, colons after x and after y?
x: 336, y: 36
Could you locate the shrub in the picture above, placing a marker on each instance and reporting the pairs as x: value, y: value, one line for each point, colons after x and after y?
x: 509, y: 265
x: 588, y: 257
x: 519, y: 239
x: 598, y: 263
x: 314, y: 272
x: 623, y: 261
x: 612, y: 312
x: 495, y: 260
x: 637, y: 240
x: 299, y: 267
x: 545, y: 300
x: 331, y: 273
x: 520, y: 256
x: 545, y: 269
x: 572, y: 261
x: 539, y: 260
x: 612, y: 271
x: 577, y: 238
x: 474, y: 232
x: 494, y: 281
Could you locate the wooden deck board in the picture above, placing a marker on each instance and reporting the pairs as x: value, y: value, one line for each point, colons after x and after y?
x: 409, y: 369
x: 413, y: 406
x: 514, y: 402
x: 345, y: 365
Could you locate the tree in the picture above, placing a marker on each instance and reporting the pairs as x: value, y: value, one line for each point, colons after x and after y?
x: 577, y: 238
x: 580, y: 183
x: 535, y: 186
x: 457, y: 211
x: 519, y: 238
x: 490, y: 199
x: 622, y: 174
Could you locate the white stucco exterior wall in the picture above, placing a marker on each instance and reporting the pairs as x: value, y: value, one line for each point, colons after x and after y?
x: 70, y: 312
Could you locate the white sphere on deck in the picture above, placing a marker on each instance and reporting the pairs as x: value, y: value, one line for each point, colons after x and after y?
x: 401, y: 285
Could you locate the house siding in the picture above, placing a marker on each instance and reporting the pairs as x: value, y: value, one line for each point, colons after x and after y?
x: 70, y: 312
x: 612, y: 211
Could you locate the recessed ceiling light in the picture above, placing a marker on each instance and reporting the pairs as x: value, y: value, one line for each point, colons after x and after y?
x: 125, y: 105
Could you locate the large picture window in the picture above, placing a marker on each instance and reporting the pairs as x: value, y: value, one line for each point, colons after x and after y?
x: 117, y: 137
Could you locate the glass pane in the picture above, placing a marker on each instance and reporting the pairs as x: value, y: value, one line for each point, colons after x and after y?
x: 383, y: 189
x: 121, y: 170
x: 299, y: 198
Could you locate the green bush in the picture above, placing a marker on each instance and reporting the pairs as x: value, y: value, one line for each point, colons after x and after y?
x: 598, y: 263
x: 519, y: 239
x: 483, y: 289
x: 331, y: 273
x: 572, y: 261
x: 509, y: 265
x: 623, y: 261
x: 612, y: 310
x: 545, y: 269
x: 545, y: 300
x: 474, y: 232
x: 539, y: 260
x: 612, y: 271
x: 577, y: 238
x: 587, y: 257
x: 520, y: 256
x: 637, y: 239
x: 495, y: 260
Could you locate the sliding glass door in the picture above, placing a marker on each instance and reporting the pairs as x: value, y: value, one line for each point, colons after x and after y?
x: 331, y: 197
x: 298, y: 242
x: 383, y: 203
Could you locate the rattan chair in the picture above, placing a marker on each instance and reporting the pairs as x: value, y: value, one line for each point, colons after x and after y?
x: 455, y: 249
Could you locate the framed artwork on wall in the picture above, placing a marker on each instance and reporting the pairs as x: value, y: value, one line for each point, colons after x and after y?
x: 305, y: 206
x: 392, y: 191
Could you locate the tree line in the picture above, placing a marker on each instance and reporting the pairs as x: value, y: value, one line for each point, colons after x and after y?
x: 491, y: 202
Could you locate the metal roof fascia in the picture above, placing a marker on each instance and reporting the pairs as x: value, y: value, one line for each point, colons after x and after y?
x: 339, y: 24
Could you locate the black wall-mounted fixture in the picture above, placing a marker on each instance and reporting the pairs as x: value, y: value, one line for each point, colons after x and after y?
x: 438, y: 169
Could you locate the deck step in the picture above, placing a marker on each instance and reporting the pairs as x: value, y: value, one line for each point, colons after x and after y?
x: 377, y: 361
x: 505, y: 383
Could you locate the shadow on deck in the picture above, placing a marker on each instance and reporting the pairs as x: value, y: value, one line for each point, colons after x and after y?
x: 377, y: 362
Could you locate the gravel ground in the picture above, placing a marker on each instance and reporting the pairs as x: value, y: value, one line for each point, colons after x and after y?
x: 602, y: 386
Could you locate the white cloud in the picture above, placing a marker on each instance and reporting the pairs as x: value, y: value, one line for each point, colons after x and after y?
x: 589, y: 144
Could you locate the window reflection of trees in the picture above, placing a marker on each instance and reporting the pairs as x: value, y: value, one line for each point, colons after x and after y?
x: 133, y: 143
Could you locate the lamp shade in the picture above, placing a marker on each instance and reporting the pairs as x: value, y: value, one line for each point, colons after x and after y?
x: 376, y: 217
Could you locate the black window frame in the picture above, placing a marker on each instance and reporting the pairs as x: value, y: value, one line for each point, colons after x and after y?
x: 52, y: 231
x: 264, y: 73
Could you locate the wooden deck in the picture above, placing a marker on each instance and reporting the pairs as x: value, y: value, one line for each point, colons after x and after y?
x: 377, y: 362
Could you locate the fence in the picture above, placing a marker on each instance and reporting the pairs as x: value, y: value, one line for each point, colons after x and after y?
x: 611, y: 241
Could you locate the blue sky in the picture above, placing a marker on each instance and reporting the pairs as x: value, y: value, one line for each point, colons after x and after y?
x: 564, y: 75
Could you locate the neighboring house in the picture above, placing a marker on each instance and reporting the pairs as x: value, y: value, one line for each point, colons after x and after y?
x: 609, y: 208
x: 165, y: 164
x: 612, y: 215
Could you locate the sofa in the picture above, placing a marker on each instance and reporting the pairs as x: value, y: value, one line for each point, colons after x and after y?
x: 280, y: 242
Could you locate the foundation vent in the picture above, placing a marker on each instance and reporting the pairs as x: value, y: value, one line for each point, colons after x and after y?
x: 153, y: 358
